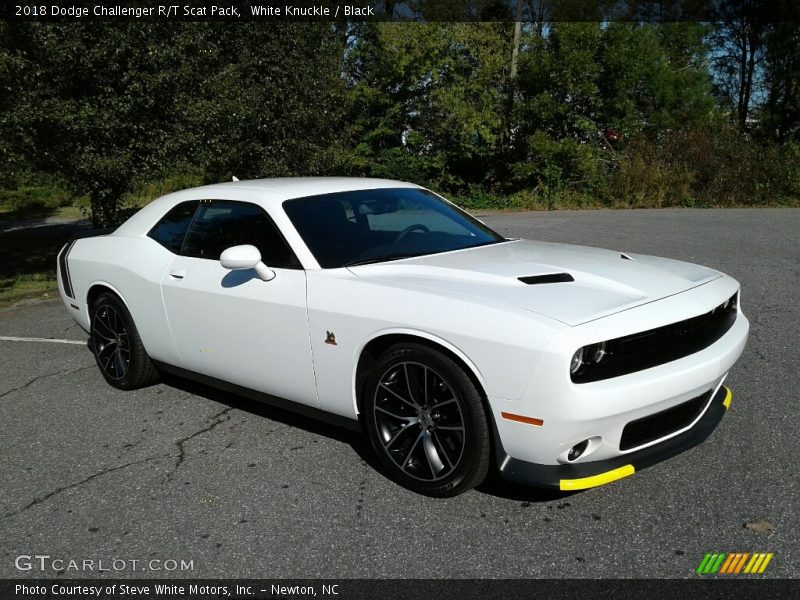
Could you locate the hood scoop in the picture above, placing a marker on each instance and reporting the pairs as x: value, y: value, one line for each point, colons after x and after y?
x: 547, y: 278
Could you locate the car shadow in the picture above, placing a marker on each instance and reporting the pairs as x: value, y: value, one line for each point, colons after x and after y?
x: 357, y: 441
x: 237, y: 278
x: 494, y: 485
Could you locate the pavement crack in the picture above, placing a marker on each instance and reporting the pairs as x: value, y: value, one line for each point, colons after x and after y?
x: 215, y: 421
x: 362, y: 488
x: 30, y: 382
x: 77, y: 484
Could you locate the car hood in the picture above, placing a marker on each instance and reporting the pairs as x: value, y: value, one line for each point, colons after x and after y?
x: 604, y: 281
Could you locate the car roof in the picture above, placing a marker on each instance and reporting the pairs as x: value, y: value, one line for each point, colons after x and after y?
x: 285, y: 188
x: 269, y: 193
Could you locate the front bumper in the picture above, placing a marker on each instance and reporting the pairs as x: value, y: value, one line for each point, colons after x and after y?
x: 579, y: 476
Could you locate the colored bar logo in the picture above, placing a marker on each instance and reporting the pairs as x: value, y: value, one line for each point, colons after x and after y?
x: 733, y: 563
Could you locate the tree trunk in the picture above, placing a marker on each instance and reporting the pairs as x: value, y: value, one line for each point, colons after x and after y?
x: 741, y: 108
x: 751, y: 65
x: 512, y: 80
x: 515, y: 48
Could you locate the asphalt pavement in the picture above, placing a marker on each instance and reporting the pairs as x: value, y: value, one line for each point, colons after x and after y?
x: 185, y: 473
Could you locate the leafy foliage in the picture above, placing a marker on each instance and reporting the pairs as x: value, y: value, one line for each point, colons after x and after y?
x: 595, y: 112
x: 105, y: 105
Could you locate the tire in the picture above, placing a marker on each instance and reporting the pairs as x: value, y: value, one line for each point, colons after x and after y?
x: 117, y: 347
x: 426, y: 421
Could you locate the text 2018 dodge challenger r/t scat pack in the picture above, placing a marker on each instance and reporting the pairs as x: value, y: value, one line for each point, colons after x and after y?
x: 379, y: 305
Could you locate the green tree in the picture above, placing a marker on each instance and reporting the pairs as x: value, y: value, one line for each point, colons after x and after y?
x: 104, y: 105
x: 586, y: 88
x: 738, y: 53
x: 429, y: 98
x: 557, y: 134
x: 781, y: 115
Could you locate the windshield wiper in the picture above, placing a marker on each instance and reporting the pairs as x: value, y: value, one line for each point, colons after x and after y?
x: 378, y: 259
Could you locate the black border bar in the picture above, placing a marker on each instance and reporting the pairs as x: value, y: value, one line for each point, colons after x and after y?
x: 266, y: 11
x: 697, y: 586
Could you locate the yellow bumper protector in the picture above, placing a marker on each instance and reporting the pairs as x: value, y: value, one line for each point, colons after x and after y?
x: 568, y: 485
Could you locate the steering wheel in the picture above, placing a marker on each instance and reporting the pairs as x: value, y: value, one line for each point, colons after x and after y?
x: 409, y: 229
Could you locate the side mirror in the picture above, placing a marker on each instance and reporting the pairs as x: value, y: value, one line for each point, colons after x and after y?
x: 246, y: 257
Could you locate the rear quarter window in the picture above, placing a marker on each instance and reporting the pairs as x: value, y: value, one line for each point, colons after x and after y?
x: 171, y: 230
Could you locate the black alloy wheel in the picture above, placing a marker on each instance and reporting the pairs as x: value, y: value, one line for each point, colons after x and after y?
x: 426, y: 421
x: 110, y: 342
x: 117, y: 348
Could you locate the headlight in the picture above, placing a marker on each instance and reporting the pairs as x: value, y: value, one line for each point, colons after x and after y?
x: 597, y: 352
x: 728, y: 305
x: 576, y: 362
x: 593, y: 354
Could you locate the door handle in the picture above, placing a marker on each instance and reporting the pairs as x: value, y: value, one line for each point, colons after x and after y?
x: 177, y: 274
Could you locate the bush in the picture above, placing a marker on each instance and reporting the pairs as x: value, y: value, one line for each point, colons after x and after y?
x: 539, y: 198
x: 789, y: 178
x: 146, y: 191
x: 36, y: 193
x: 709, y: 166
x: 644, y: 178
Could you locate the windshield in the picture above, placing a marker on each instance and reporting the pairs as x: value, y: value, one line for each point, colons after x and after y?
x: 360, y: 227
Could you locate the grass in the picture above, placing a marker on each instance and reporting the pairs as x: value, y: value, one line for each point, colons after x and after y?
x: 33, y: 193
x: 28, y: 265
x: 48, y: 211
x: 25, y: 287
x: 28, y: 269
x: 527, y: 200
x: 8, y: 213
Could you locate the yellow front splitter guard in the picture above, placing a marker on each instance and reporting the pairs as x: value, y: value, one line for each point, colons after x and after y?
x: 569, y: 485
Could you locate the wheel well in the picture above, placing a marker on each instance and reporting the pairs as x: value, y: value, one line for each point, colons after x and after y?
x: 94, y: 293
x: 375, y: 348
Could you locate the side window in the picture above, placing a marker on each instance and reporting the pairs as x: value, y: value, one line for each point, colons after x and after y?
x: 221, y: 224
x: 171, y: 229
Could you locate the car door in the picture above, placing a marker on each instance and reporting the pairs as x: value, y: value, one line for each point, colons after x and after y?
x: 233, y: 325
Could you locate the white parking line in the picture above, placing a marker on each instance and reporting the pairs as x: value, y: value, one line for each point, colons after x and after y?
x: 7, y: 338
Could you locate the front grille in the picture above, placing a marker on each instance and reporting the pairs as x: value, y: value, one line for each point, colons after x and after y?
x: 661, y: 345
x: 654, y: 427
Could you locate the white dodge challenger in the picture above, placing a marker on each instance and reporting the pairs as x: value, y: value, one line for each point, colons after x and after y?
x: 380, y: 306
